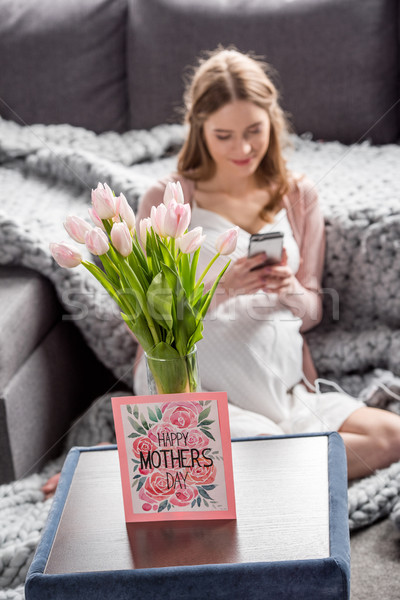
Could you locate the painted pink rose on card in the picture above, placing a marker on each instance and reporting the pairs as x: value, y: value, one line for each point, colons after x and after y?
x: 202, y: 474
x: 197, y: 439
x: 155, y: 488
x: 183, y: 415
x: 174, y: 454
x: 184, y: 497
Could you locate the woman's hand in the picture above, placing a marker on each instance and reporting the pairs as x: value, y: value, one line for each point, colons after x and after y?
x: 279, y: 279
x: 243, y: 277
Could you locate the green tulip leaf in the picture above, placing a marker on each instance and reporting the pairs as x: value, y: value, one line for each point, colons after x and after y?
x: 168, y: 259
x: 140, y: 328
x: 159, y: 301
x: 197, y: 335
x: 193, y: 268
x: 184, y: 268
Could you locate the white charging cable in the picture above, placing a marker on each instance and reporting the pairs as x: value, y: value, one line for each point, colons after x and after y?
x: 319, y: 380
x: 387, y: 390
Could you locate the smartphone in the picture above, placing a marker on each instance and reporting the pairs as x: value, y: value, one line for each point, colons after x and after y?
x: 270, y: 243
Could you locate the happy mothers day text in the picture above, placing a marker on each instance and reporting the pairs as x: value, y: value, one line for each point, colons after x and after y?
x: 169, y: 457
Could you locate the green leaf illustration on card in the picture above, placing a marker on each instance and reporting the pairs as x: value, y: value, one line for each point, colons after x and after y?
x: 152, y: 416
x: 136, y: 426
x: 207, y: 433
x: 141, y: 483
x: 204, y: 413
x: 203, y: 492
x: 206, y: 422
x: 144, y: 422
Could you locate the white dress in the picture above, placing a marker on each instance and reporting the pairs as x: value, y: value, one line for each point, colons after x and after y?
x: 252, y: 349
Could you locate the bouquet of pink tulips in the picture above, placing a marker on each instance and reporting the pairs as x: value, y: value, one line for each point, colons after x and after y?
x: 149, y: 269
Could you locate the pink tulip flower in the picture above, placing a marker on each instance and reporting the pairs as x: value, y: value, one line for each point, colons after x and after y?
x: 103, y: 201
x: 157, y: 216
x: 173, y: 191
x: 177, y: 219
x: 65, y: 255
x: 96, y: 241
x: 191, y: 241
x: 77, y: 228
x: 95, y: 218
x: 226, y: 242
x: 125, y: 212
x: 121, y: 238
x: 144, y: 226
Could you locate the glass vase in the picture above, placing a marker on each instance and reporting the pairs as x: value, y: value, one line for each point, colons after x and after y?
x: 173, y: 375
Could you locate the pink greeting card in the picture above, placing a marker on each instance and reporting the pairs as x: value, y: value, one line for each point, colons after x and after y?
x: 175, y: 456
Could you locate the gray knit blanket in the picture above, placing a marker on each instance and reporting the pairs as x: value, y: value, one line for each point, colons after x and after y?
x: 47, y: 172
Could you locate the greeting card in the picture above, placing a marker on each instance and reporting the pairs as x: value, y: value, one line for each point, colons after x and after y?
x: 175, y: 456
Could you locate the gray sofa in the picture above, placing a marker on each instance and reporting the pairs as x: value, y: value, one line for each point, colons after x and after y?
x: 116, y: 65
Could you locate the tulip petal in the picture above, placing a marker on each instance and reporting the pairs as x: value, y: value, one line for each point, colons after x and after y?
x: 121, y: 238
x: 173, y: 191
x: 144, y: 226
x: 97, y: 242
x: 191, y: 241
x: 226, y: 242
x: 65, y: 255
x: 77, y: 228
x: 103, y: 201
x: 125, y: 212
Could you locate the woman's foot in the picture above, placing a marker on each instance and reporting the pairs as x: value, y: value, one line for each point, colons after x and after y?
x: 49, y: 488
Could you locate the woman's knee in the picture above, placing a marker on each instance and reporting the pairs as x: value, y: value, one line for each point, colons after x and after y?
x: 386, y: 435
x: 391, y: 436
x: 380, y: 430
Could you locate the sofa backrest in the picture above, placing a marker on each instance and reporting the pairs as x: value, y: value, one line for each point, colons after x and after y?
x: 118, y: 64
x: 337, y: 60
x: 63, y: 61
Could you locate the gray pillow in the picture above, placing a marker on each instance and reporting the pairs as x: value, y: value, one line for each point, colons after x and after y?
x: 336, y: 59
x: 63, y: 61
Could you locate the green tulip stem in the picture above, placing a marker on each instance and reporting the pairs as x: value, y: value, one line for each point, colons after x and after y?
x: 208, y: 267
x: 172, y: 247
x: 152, y: 328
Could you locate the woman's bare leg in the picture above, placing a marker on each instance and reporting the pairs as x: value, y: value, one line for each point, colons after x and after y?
x: 372, y: 440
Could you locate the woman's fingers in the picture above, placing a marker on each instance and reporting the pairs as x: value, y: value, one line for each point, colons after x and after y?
x: 278, y: 272
x: 257, y: 260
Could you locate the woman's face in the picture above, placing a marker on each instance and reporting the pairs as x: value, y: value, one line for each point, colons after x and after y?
x: 237, y: 138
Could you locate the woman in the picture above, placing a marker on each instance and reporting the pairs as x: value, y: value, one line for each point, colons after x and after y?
x: 232, y: 171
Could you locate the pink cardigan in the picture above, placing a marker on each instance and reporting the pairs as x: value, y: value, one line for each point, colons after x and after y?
x: 308, y: 228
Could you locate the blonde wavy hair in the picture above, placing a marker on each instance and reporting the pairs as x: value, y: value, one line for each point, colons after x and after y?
x: 228, y: 75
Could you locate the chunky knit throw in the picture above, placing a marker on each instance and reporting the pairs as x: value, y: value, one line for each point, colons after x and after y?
x: 47, y: 172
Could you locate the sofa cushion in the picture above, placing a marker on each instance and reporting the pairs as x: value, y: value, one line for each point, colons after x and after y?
x: 337, y: 60
x: 56, y: 383
x: 64, y: 62
x: 28, y: 310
